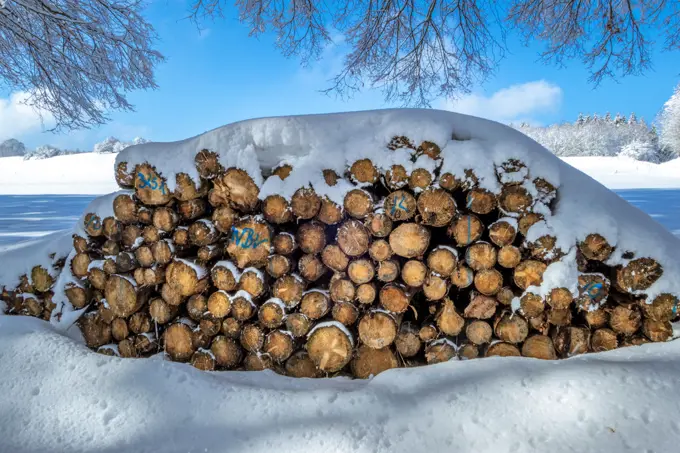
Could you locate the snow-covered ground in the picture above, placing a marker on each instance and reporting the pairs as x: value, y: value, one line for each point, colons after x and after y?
x: 58, y: 396
x: 627, y: 173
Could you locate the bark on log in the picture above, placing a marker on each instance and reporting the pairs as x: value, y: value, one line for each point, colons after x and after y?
x: 334, y: 258
x: 218, y: 305
x: 361, y: 271
x: 515, y: 199
x: 593, y: 291
x: 379, y: 225
x: 257, y: 362
x: 527, y: 220
x: 203, y: 361
x: 481, y: 255
x: 192, y: 209
x: 571, y: 341
x: 315, y: 304
x: 400, y: 206
x: 330, y: 212
x: 395, y: 177
x: 122, y: 296
x: 224, y: 218
x: 252, y: 338
x: 657, y: 330
x: 448, y: 182
x: 289, y: 290
x: 428, y: 332
x: 663, y: 308
x: 119, y: 329
x: 252, y: 282
x: 488, y: 281
x: 185, y: 278
x: 124, y: 177
x: 559, y: 317
x: 284, y: 244
x: 345, y: 313
x: 151, y: 235
x: 231, y: 328
x: 112, y: 228
x: 532, y: 305
x: 388, y: 271
x: 420, y: 179
x: 342, y: 289
x: 366, y: 293
x: 242, y: 307
x: 227, y: 352
x: 505, y: 296
x: 380, y: 250
x: 279, y: 265
x: 625, y: 320
x: 125, y: 208
x: 95, y: 331
x: 539, y: 347
x: 502, y: 233
x: 442, y: 260
x: 462, y: 277
x: 311, y: 237
x: 560, y: 298
x: 41, y: 279
x: 414, y: 273
x: 235, y: 189
x: 480, y: 307
x: 596, y: 318
x: 161, y: 312
x: 139, y: 323
x: 298, y: 324
x: 208, y: 164
x: 638, y: 275
x: 435, y: 287
x: 364, y: 172
x: 394, y: 298
x: 480, y: 201
x: 468, y: 352
x: 186, y: 189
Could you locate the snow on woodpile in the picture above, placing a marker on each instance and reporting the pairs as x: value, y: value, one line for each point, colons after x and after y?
x: 353, y: 243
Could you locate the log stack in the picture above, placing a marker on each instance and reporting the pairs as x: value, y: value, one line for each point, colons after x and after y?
x: 415, y: 267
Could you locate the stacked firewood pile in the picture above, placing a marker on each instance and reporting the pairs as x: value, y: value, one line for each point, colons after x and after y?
x: 415, y: 267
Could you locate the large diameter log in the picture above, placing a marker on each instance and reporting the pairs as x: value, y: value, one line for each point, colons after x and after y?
x: 330, y: 347
x: 364, y: 172
x: 442, y: 260
x: 185, y: 277
x: 370, y: 362
x: 353, y: 238
x: 377, y: 329
x: 276, y: 209
x: 414, y: 273
x: 150, y: 187
x: 449, y: 321
x: 603, y: 340
x: 236, y: 189
x: 121, y: 296
x: 595, y: 247
x: 539, y: 347
x: 436, y: 207
x: 529, y: 273
x: 512, y: 328
x: 466, y: 230
x: 358, y: 203
x: 178, y: 342
x: 250, y: 243
x: 305, y: 203
x: 638, y: 275
x: 410, y: 240
x: 663, y: 308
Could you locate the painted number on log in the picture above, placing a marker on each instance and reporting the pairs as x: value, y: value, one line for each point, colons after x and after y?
x: 94, y: 223
x: 150, y: 182
x: 593, y: 289
x: 399, y: 205
x: 246, y: 238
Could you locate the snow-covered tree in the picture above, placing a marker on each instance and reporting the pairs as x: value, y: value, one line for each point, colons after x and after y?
x: 640, y: 150
x: 11, y: 148
x: 113, y: 145
x: 632, y: 119
x: 619, y: 119
x: 669, y: 124
x: 77, y: 59
x: 48, y: 151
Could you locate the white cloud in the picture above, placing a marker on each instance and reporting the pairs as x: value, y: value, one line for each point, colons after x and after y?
x: 514, y: 103
x: 18, y: 119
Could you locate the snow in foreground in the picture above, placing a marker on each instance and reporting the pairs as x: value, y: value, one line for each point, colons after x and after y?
x: 59, y: 396
x: 627, y: 173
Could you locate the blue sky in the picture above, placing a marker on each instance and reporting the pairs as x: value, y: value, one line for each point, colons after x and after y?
x: 220, y: 75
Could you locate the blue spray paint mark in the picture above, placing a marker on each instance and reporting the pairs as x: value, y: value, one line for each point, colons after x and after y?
x: 246, y: 238
x: 399, y: 205
x: 593, y: 289
x: 469, y: 238
x: 94, y: 223
x: 150, y: 183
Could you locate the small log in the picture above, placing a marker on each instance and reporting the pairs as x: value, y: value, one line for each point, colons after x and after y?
x: 400, y: 206
x: 395, y: 177
x: 186, y: 189
x: 77, y: 296
x: 427, y: 333
x: 529, y: 273
x: 480, y: 201
x: 353, y: 238
x: 414, y: 273
x: 126, y: 262
x: 252, y: 338
x: 279, y: 265
x: 210, y: 326
x: 436, y: 207
x: 502, y: 232
x: 442, y: 260
x: 505, y: 296
x: 481, y: 255
x: 242, y: 306
x: 126, y: 348
x: 366, y: 293
x: 203, y: 232
x: 284, y: 244
x: 199, y: 340
x: 227, y: 352
x: 276, y: 209
x: 638, y: 275
x: 546, y: 191
x: 144, y: 256
x: 468, y: 352
x: 145, y: 215
x: 440, y: 351
x: 511, y: 328
x: 80, y: 265
x: 596, y: 318
x: 235, y: 189
x: 488, y: 281
x: 593, y: 290
x: 527, y: 220
x: 329, y: 347
x: 111, y: 228
x: 305, y: 203
x: 334, y: 258
x: 502, y: 349
x: 515, y: 199
x: 165, y: 219
x: 311, y: 268
x: 150, y: 187
x: 252, y: 282
x: 289, y: 290
x: 435, y: 287
x: 603, y: 340
x: 197, y: 306
x: 637, y: 340
x: 559, y: 298
x: 358, y: 203
x: 95, y: 331
x: 41, y: 279
x: 109, y: 248
x: 532, y: 305
x: 192, y: 209
x: 663, y: 308
x: 122, y: 297
x: 330, y: 213
x: 377, y: 329
x: 364, y: 172
x: 407, y: 342
x: 298, y: 324
x: 250, y: 243
x: 361, y: 271
x: 202, y: 360
x: 299, y: 365
x: 657, y: 330
x: 161, y: 312
x: 257, y: 362
x: 342, y: 290
x: 466, y: 230
x: 369, y: 362
x: 278, y: 345
x: 379, y: 225
x: 540, y: 323
x: 559, y: 317
x: 224, y: 276
x: 282, y: 171
x: 178, y: 342
x: 224, y: 218
x: 380, y: 250
x: 462, y: 276
x: 139, y: 322
x: 208, y: 253
x: 311, y: 237
x: 180, y: 237
x: 448, y: 182
x: 479, y: 332
x: 124, y: 177
x: 394, y: 298
x: 345, y: 313
x: 410, y: 240
x: 315, y: 304
x: 420, y: 179
x: 509, y: 256
x: 151, y: 235
x: 218, y: 305
x: 539, y: 347
x: 625, y: 320
x: 119, y: 329
x: 571, y: 341
x: 388, y: 271
x: 208, y: 164
x: 480, y: 307
x: 185, y: 277
x: 595, y: 247
x: 331, y: 177
x: 80, y: 244
x: 448, y: 320
x: 131, y: 237
x: 231, y: 328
